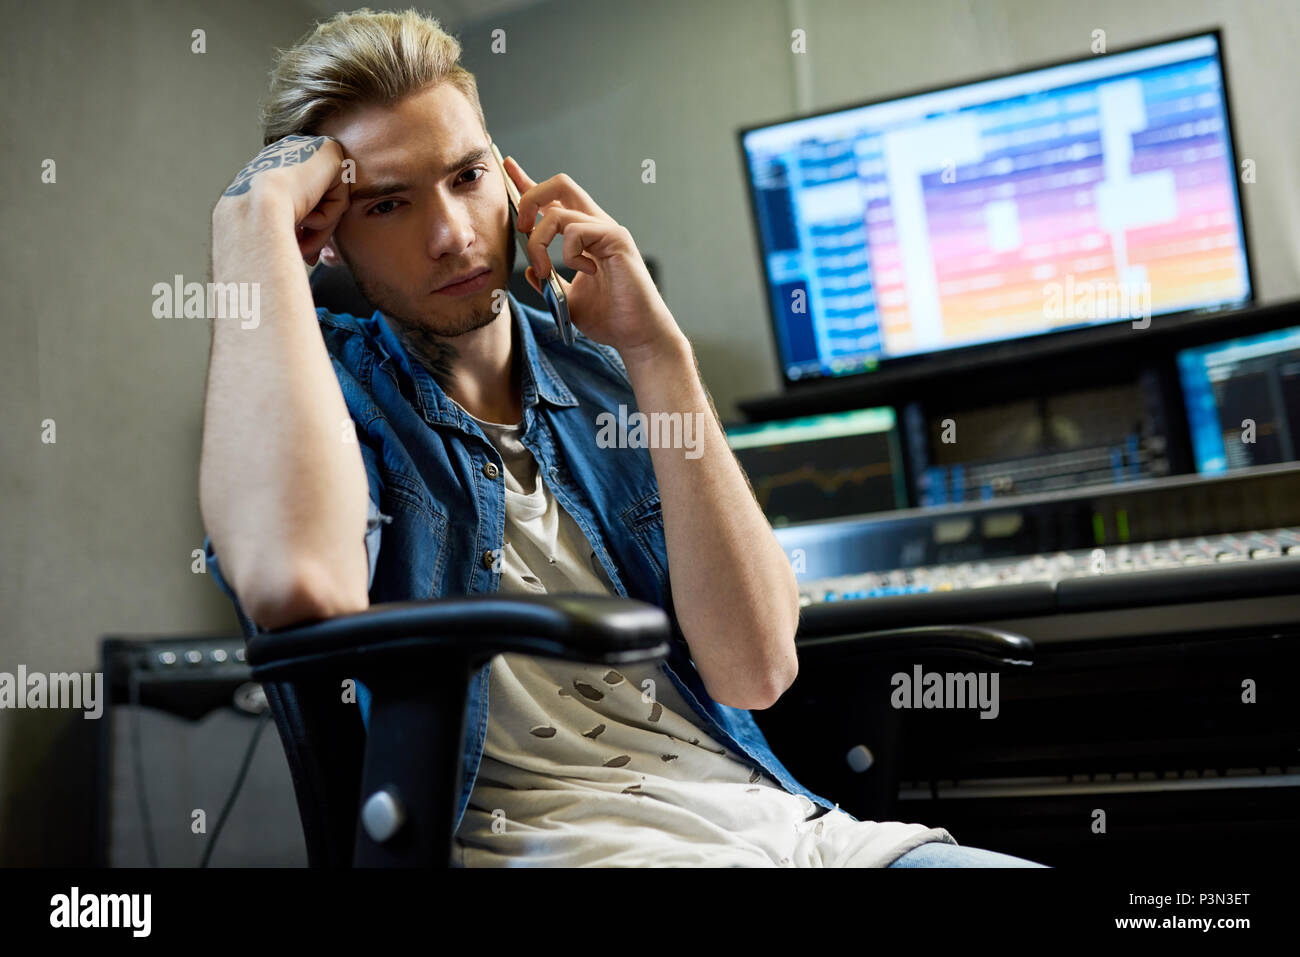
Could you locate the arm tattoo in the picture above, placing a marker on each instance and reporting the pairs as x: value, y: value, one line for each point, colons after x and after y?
x: 436, y: 355
x: 288, y: 151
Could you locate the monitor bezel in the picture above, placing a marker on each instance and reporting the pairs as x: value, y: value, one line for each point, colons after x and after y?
x: 997, y: 350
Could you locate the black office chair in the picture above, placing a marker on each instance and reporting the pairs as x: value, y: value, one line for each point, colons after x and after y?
x: 402, y: 781
x: 389, y: 797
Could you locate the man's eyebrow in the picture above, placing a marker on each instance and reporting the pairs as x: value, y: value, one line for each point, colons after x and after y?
x: 381, y: 188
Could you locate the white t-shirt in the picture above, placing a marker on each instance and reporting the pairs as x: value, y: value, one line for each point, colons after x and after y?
x: 591, y: 766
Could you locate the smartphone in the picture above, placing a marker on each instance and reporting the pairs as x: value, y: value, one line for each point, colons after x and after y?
x: 552, y: 291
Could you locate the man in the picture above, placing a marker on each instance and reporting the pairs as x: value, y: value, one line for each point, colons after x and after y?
x: 455, y: 437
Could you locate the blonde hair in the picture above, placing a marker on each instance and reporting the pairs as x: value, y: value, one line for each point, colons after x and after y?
x: 360, y: 58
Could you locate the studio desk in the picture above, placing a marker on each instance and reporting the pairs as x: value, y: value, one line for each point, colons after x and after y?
x: 1159, y: 718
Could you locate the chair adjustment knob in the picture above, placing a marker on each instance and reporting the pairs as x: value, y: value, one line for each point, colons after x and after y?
x: 383, y: 815
x: 860, y: 758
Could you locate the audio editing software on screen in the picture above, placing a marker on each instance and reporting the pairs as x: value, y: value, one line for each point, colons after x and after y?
x: 1243, y: 400
x: 1098, y: 190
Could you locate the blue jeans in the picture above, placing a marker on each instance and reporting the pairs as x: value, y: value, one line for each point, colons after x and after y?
x: 938, y: 854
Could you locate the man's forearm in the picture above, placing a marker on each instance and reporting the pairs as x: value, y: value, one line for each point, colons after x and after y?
x: 282, y: 484
x: 734, y: 592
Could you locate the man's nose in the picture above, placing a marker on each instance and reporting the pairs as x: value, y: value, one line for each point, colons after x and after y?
x: 452, y: 231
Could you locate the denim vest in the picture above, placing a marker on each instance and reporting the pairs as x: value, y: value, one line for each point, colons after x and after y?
x: 437, y: 501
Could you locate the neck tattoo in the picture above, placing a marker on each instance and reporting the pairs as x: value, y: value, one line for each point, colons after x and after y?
x: 436, y: 355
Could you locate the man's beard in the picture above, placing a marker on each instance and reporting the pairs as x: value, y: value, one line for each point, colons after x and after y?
x: 395, y: 307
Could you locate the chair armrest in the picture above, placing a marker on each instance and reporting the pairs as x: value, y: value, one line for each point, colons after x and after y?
x: 954, y: 641
x: 417, y: 657
x: 598, y: 629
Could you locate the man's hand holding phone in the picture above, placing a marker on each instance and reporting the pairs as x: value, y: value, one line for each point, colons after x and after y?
x: 612, y: 300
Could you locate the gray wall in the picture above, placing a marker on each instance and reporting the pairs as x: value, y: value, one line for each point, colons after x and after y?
x: 98, y: 528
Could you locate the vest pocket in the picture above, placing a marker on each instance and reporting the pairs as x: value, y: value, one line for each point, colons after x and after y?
x: 417, y: 535
x: 645, y: 524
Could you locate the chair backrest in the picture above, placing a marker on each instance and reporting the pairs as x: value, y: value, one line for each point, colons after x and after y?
x: 324, y: 743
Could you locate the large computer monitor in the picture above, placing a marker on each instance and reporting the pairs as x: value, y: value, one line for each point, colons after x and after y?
x: 823, y: 466
x: 1094, y: 191
x: 1243, y: 400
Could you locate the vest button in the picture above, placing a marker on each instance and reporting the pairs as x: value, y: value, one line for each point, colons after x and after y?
x: 491, y: 470
x: 489, y: 559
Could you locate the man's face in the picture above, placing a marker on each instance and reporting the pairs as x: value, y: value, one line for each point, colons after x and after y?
x: 428, y: 207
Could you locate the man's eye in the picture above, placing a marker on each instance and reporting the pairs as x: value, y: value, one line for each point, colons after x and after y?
x: 476, y: 169
x: 375, y: 209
